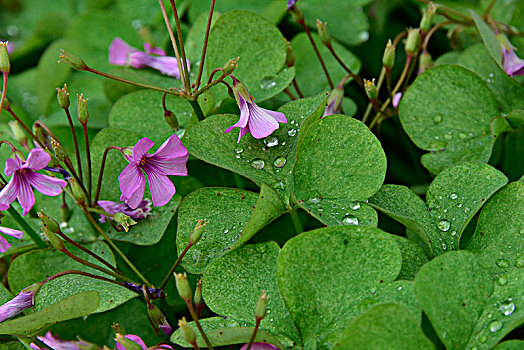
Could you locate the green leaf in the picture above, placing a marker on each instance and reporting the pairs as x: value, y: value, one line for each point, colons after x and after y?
x: 392, y: 326
x: 261, y: 49
x: 5, y: 295
x: 413, y: 258
x: 222, y: 332
x: 503, y: 311
x: 227, y: 211
x: 232, y: 285
x: 326, y: 272
x: 488, y: 38
x: 339, y: 163
x: 499, y: 237
x: 281, y: 145
x: 510, y: 345
x: 454, y: 197
x: 77, y: 305
x: 261, y: 7
x: 452, y: 290
x: 447, y: 111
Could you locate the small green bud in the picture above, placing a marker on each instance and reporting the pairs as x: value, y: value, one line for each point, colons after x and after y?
x: 182, y: 285
x: 240, y: 88
x: 60, y: 152
x: 124, y: 221
x: 195, y: 236
x: 230, y: 66
x: 171, y: 119
x: 187, y: 332
x: 290, y: 57
x: 198, y: 294
x: 83, y: 113
x: 427, y: 18
x: 128, y: 344
x: 117, y: 328
x: 50, y: 228
x: 65, y: 212
x: 371, y: 89
x: 74, y: 61
x: 296, y: 13
x: 157, y: 319
x: 412, y: 41
x: 63, y: 97
x: 261, y: 307
x: 18, y: 132
x: 5, y: 64
x: 425, y: 62
x: 76, y: 190
x: 84, y: 345
x: 334, y: 101
x: 388, y: 59
x: 323, y: 32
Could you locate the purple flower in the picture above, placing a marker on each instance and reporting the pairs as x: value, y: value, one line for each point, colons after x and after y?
x: 290, y: 4
x: 23, y: 301
x: 258, y: 121
x: 5, y: 245
x: 169, y: 159
x: 396, y: 99
x: 24, y: 176
x: 334, y: 101
x: 58, y: 344
x: 260, y: 346
x: 136, y: 339
x: 512, y: 64
x: 123, y: 54
x: 141, y: 212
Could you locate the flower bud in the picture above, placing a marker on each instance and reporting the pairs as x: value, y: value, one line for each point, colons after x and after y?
x: 117, y: 328
x: 230, y: 66
x: 182, y: 285
x: 323, y: 32
x: 334, y: 101
x: 388, y: 59
x: 58, y: 149
x: 412, y: 41
x: 371, y: 89
x: 63, y: 97
x: 65, y: 212
x: 83, y: 114
x: 18, y: 132
x: 195, y: 236
x: 198, y: 294
x: 261, y: 307
x: 74, y: 61
x: 290, y: 57
x: 427, y: 18
x: 22, y: 301
x: 171, y: 119
x: 157, y: 319
x: 240, y: 88
x: 295, y: 11
x: 5, y: 64
x: 128, y: 344
x: 425, y: 62
x: 187, y: 331
x: 76, y: 190
x: 124, y: 221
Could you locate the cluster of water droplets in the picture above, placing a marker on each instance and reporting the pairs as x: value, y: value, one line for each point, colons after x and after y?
x: 344, y: 215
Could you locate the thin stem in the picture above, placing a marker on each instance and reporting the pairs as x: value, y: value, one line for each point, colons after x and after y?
x: 253, y: 335
x: 367, y: 113
x: 114, y: 246
x: 101, y: 174
x: 431, y: 32
x: 4, y: 90
x: 303, y: 24
x: 87, y: 274
x: 173, y: 42
x: 197, y: 323
x: 198, y: 111
x: 27, y: 229
x: 178, y: 260
x: 401, y: 79
x: 206, y: 39
x: 297, y: 89
x: 10, y: 111
x: 122, y: 80
x: 388, y: 81
x: 210, y: 84
x: 356, y: 77
x: 88, y: 156
x: 290, y: 94
x: 296, y: 221
x: 75, y: 141
x: 181, y: 43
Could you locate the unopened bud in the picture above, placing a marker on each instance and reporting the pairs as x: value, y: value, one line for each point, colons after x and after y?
x: 18, y: 132
x: 171, y: 119
x: 371, y: 89
x: 198, y: 294
x: 74, y: 61
x: 60, y: 152
x: 323, y: 32
x: 83, y: 113
x: 427, y: 18
x: 261, y: 307
x: 195, y: 236
x: 334, y: 101
x: 5, y: 64
x: 65, y: 212
x: 50, y: 228
x: 388, y: 59
x: 240, y: 88
x: 187, y: 332
x: 117, y: 328
x: 63, y: 97
x: 290, y: 57
x: 124, y: 220
x: 425, y: 62
x: 230, y: 66
x: 76, y: 191
x: 157, y: 319
x: 412, y: 41
x: 295, y: 12
x: 182, y: 285
x: 128, y: 344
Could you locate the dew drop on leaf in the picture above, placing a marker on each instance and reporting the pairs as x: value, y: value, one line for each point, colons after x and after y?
x: 239, y: 149
x: 502, y: 263
x: 437, y: 119
x: 258, y: 164
x: 453, y: 196
x: 507, y: 308
x: 280, y: 162
x: 502, y: 280
x: 495, y: 326
x: 271, y: 142
x: 354, y: 205
x: 443, y: 225
x: 520, y: 261
x: 350, y: 220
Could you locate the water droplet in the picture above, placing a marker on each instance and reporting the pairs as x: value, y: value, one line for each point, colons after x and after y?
x: 261, y: 249
x: 466, y: 210
x: 502, y: 280
x: 291, y: 132
x: 363, y: 36
x: 448, y: 137
x: 354, y: 205
x: 444, y: 246
x: 373, y: 291
x: 507, y: 308
x: 267, y: 83
x: 453, y: 196
x: 495, y: 326
x: 459, y: 205
x: 437, y: 119
x: 273, y: 141
x: 258, y: 164
x: 315, y: 200
x: 280, y: 162
x: 239, y: 149
x: 503, y: 263
x: 490, y: 315
x: 226, y: 230
x: 462, y: 136
x: 350, y: 220
x: 520, y: 261
x: 483, y: 339
x: 443, y: 225
x: 399, y: 288
x: 453, y: 233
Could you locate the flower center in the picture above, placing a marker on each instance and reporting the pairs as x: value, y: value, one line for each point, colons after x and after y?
x: 143, y: 160
x: 22, y: 171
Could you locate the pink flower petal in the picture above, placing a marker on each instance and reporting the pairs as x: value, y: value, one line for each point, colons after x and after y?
x: 278, y: 116
x: 260, y: 346
x: 141, y: 148
x: 174, y: 166
x: 139, y: 59
x: 131, y: 180
x: 165, y: 65
x: 150, y: 49
x: 162, y: 189
x: 396, y: 99
x: 11, y: 232
x: 37, y: 159
x: 48, y: 185
x: 261, y: 124
x: 12, y: 165
x: 4, y: 245
x: 171, y: 148
x: 244, y: 116
x: 119, y: 51
x: 134, y: 338
x: 25, y: 196
x: 9, y: 193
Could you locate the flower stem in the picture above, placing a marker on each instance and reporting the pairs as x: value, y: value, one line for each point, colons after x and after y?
x: 198, y: 110
x: 75, y: 141
x: 88, y: 156
x: 101, y: 174
x: 114, y: 246
x: 4, y: 90
x: 253, y: 335
x: 87, y: 274
x: 181, y: 43
x: 297, y: 89
x: 204, y: 48
x: 10, y: 111
x: 197, y: 323
x: 296, y: 221
x: 27, y: 229
x: 173, y: 42
x: 356, y: 77
x: 178, y: 260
